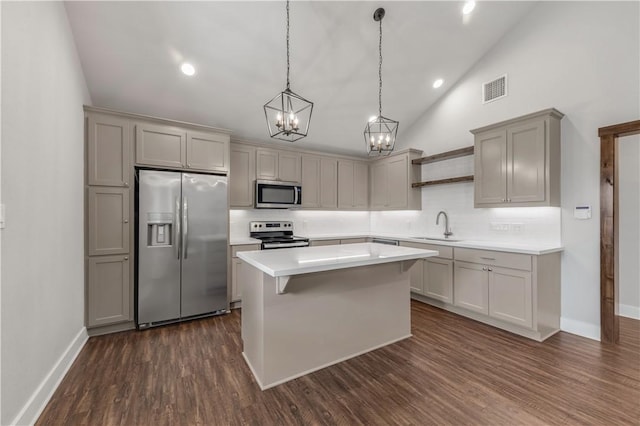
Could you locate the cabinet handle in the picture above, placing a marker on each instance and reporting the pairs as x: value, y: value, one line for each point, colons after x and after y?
x: 126, y: 258
x: 126, y: 221
x: 484, y: 268
x: 189, y: 165
x: 508, y: 200
x: 488, y: 258
x: 126, y: 184
x: 489, y: 269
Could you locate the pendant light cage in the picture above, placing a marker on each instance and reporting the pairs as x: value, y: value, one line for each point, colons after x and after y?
x: 380, y: 132
x: 288, y: 114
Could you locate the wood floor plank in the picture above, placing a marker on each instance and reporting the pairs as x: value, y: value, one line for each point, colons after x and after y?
x: 452, y: 371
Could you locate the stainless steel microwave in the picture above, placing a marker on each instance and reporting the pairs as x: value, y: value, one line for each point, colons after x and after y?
x: 273, y: 194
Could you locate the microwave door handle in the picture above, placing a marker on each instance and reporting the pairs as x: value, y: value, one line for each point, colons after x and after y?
x: 296, y: 189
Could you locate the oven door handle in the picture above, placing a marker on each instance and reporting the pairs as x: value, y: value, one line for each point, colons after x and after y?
x: 284, y: 245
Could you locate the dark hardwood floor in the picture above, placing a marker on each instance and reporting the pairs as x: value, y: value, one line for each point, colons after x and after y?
x: 452, y: 371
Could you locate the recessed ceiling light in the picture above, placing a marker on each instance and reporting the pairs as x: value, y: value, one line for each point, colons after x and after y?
x: 188, y: 69
x: 468, y: 7
x: 438, y: 83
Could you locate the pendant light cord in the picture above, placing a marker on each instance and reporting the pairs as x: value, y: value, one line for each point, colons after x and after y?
x: 287, y: 44
x: 380, y: 73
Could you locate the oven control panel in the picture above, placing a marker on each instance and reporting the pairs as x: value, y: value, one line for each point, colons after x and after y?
x: 267, y: 226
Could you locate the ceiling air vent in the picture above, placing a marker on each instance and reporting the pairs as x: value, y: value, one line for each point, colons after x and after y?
x: 494, y: 90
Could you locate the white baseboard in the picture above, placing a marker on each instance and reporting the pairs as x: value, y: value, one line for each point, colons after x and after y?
x: 581, y: 328
x: 629, y: 311
x: 41, y: 396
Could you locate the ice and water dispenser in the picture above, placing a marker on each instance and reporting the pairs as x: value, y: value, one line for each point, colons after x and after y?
x: 159, y: 229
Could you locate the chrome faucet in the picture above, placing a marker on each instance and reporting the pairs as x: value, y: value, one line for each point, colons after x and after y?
x: 447, y: 231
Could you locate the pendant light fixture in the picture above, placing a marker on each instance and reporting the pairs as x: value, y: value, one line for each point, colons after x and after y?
x: 288, y: 114
x: 380, y: 132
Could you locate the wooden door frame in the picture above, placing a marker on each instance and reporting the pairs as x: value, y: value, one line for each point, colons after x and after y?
x: 609, y: 327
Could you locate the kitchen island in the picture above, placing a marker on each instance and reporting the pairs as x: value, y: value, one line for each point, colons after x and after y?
x: 304, y: 309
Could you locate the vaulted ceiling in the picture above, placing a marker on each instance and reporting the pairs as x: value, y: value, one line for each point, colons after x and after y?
x: 131, y: 54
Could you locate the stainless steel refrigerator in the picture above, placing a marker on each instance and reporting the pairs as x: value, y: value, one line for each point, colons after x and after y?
x: 182, y: 246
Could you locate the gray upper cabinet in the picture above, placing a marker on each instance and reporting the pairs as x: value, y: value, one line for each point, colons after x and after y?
x: 391, y: 179
x: 517, y: 162
x: 278, y: 165
x: 108, y: 220
x: 242, y: 175
x: 108, y: 150
x: 311, y: 181
x: 319, y: 182
x: 163, y: 146
x: 208, y: 151
x: 179, y: 148
x: 353, y: 185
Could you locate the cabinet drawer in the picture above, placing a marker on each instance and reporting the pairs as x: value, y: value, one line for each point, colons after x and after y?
x: 317, y: 243
x: 495, y: 258
x: 444, y: 252
x: 243, y: 247
x: 353, y: 241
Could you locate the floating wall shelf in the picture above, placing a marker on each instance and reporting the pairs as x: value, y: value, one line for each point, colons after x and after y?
x: 462, y: 152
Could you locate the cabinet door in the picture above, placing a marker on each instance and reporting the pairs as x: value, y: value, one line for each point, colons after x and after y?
x: 345, y: 184
x: 289, y: 167
x: 108, y: 290
x: 328, y: 183
x: 471, y: 287
x: 360, y: 185
x: 160, y: 145
x: 242, y: 176
x: 236, y: 290
x: 438, y: 279
x: 526, y: 172
x: 311, y: 178
x: 490, y: 168
x: 266, y: 164
x: 398, y: 185
x: 108, y: 220
x: 208, y: 151
x: 510, y: 297
x: 108, y: 150
x: 378, y: 185
x: 416, y: 276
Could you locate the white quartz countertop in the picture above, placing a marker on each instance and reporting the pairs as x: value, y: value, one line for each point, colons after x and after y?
x: 304, y: 260
x: 510, y: 247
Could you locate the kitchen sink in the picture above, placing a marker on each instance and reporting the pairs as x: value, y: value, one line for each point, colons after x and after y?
x: 451, y: 240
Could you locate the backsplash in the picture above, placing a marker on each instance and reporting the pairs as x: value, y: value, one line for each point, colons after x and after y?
x: 306, y: 223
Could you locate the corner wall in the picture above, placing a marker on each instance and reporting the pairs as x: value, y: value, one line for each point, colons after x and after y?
x: 42, y: 304
x: 583, y: 59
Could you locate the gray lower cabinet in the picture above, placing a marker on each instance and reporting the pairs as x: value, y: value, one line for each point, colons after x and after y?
x: 437, y: 279
x: 109, y: 290
x: 471, y: 287
x: 510, y: 296
x: 236, y: 264
x: 108, y: 222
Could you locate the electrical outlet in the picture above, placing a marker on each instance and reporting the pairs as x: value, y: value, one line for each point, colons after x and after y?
x: 500, y: 227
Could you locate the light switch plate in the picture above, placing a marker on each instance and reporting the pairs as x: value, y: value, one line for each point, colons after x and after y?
x: 1, y: 216
x: 582, y: 212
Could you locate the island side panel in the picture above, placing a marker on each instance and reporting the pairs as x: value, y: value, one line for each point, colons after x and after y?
x: 252, y: 319
x: 326, y: 317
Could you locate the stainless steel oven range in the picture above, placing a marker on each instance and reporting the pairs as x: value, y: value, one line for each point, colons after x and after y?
x: 275, y: 235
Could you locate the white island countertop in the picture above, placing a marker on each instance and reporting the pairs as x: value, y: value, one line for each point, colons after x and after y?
x: 304, y: 260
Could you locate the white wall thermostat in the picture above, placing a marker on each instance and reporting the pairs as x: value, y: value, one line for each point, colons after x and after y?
x: 582, y: 212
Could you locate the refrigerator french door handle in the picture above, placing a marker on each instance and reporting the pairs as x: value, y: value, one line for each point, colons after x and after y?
x: 176, y: 233
x: 185, y: 224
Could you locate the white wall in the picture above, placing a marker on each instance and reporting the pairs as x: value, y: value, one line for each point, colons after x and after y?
x: 42, y: 188
x: 583, y: 59
x: 629, y: 235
